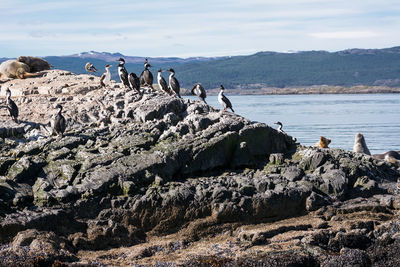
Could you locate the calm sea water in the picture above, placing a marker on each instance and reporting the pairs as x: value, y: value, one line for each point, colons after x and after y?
x: 337, y: 117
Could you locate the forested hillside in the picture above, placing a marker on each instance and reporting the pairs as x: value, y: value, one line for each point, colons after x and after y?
x: 346, y: 68
x: 264, y: 69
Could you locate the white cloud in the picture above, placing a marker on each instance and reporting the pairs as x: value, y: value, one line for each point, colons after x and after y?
x: 344, y: 35
x: 190, y: 28
x: 31, y: 7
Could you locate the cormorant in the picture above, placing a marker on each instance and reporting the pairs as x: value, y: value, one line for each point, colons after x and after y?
x: 174, y: 84
x: 106, y: 76
x: 162, y: 83
x: 280, y: 126
x: 11, y: 106
x: 146, y: 77
x: 123, y: 74
x: 134, y: 82
x: 59, y: 122
x: 199, y: 90
x: 223, y: 100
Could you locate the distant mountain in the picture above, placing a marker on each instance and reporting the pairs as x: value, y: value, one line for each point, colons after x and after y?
x: 270, y: 69
x: 76, y: 62
x: 264, y: 69
x: 4, y: 59
x: 105, y: 56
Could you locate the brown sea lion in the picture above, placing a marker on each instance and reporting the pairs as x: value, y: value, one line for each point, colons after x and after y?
x: 323, y: 142
x: 35, y: 63
x: 15, y: 69
x: 360, y: 146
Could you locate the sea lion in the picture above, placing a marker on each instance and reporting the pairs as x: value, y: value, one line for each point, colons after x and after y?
x: 35, y: 64
x: 15, y: 69
x: 323, y: 142
x: 390, y: 156
x: 360, y: 146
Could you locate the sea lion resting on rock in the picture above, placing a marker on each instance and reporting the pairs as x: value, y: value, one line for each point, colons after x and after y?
x: 390, y: 156
x: 15, y: 69
x: 360, y: 146
x: 323, y: 142
x: 35, y: 63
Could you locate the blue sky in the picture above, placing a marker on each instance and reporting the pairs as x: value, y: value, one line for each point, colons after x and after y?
x: 185, y: 28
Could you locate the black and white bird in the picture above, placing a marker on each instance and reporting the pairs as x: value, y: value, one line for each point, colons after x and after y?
x: 162, y: 83
x: 11, y: 106
x: 59, y: 124
x: 90, y: 67
x: 174, y: 84
x: 122, y: 73
x: 106, y: 76
x: 134, y: 82
x: 280, y: 126
x: 146, y: 77
x: 199, y: 90
x: 223, y: 100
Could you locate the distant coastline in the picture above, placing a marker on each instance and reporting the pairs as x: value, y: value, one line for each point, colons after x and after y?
x: 306, y: 72
x: 304, y: 90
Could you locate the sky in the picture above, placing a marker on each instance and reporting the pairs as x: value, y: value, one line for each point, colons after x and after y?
x: 185, y: 28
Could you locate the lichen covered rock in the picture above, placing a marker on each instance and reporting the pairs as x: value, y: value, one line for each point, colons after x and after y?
x: 133, y: 167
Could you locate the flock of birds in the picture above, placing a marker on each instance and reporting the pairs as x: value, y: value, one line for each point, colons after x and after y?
x: 132, y: 82
x: 145, y: 79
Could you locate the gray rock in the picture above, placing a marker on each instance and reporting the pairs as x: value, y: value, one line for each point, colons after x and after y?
x: 276, y: 158
x: 25, y: 169
x: 348, y: 257
x: 247, y: 190
x: 61, y: 173
x: 11, y: 129
x: 220, y: 194
x: 164, y: 165
x: 45, y: 244
x: 293, y: 173
x: 24, y: 238
x: 316, y: 201
x: 365, y: 186
x: 335, y: 183
x: 5, y: 163
x: 354, y: 239
x: 317, y: 160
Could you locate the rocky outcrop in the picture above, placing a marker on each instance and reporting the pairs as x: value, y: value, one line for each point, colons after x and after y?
x: 132, y: 169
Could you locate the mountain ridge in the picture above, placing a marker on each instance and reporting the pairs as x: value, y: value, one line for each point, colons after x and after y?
x: 107, y: 56
x: 350, y: 67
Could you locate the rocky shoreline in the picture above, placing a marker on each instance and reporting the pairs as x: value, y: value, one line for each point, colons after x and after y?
x: 155, y: 180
